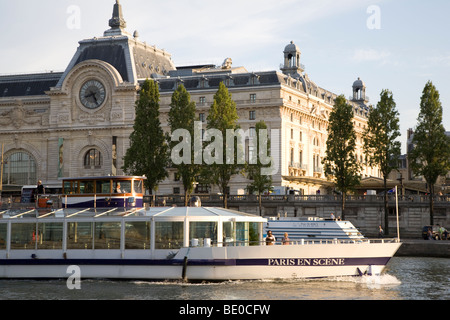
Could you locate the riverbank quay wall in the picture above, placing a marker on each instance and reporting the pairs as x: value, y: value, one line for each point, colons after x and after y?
x: 424, y: 248
x: 365, y: 212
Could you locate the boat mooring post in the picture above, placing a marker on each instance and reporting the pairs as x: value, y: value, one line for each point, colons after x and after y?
x: 396, y: 207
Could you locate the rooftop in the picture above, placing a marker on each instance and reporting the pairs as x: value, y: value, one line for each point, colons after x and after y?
x: 27, y: 84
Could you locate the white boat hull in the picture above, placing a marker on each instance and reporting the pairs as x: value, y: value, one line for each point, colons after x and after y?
x: 206, y: 263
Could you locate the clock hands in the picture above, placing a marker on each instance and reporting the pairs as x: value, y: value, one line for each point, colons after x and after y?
x: 93, y: 95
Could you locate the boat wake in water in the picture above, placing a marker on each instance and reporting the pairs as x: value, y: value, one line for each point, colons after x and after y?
x: 373, y: 281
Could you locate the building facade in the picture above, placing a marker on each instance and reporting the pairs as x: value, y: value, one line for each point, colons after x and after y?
x: 413, y: 182
x: 78, y: 122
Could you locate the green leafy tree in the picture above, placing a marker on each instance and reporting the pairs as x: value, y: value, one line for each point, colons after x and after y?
x: 430, y: 157
x: 182, y: 116
x: 380, y: 141
x: 260, y: 182
x: 148, y: 151
x: 222, y: 117
x: 340, y: 163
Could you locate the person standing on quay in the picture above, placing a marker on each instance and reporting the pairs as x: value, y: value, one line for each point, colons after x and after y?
x: 40, y: 188
x: 380, y: 232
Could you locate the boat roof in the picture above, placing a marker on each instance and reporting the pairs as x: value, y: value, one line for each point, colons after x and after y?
x: 199, y: 212
x: 154, y: 213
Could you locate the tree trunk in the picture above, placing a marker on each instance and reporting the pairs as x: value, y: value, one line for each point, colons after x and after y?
x: 386, y: 212
x: 225, y: 199
x: 186, y: 198
x: 152, y: 204
x: 260, y: 204
x: 431, y: 204
x: 344, y: 195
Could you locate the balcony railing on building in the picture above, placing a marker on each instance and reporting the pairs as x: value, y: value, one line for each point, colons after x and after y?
x: 297, y: 169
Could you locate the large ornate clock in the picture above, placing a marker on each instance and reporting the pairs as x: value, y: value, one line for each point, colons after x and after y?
x: 92, y: 94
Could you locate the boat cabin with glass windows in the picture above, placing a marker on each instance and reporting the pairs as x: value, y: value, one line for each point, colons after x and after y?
x: 121, y: 233
x: 105, y: 191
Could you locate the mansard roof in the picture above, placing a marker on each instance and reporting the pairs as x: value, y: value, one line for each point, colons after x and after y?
x: 133, y: 59
x: 212, y: 80
x: 27, y: 84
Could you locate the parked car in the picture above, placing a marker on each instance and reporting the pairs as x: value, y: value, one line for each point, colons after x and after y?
x: 435, y: 232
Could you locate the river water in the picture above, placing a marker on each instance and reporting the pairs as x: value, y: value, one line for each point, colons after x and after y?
x: 405, y: 278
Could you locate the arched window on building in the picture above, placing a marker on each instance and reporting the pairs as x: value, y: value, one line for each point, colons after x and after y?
x: 19, y: 169
x: 93, y: 159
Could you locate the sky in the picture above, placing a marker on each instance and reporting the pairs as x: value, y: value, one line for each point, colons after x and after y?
x: 398, y: 45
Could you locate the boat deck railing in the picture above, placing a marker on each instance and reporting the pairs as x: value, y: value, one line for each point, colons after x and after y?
x: 305, y: 242
x: 341, y: 241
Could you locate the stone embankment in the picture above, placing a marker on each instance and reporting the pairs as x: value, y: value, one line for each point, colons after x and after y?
x: 424, y: 248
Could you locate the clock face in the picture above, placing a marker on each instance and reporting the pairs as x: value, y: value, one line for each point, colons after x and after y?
x: 92, y: 94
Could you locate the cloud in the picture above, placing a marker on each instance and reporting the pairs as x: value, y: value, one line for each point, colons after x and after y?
x: 194, y: 30
x: 202, y: 30
x: 441, y: 60
x: 371, y: 55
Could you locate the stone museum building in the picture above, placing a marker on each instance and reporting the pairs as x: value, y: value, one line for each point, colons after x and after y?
x: 78, y: 122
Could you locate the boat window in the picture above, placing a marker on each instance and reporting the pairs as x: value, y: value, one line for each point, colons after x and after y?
x: 202, y: 231
x: 255, y: 233
x: 122, y: 186
x: 86, y: 186
x: 79, y: 235
x: 67, y: 187
x: 70, y: 187
x: 241, y: 232
x: 50, y: 236
x: 248, y: 233
x: 107, y: 235
x: 137, y: 235
x: 168, y: 235
x: 228, y: 232
x: 3, y: 229
x: 23, y: 236
x: 138, y: 186
x: 103, y: 186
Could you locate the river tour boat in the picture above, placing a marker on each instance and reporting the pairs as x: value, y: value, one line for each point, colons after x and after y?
x: 105, y: 191
x: 171, y: 243
x: 312, y: 228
